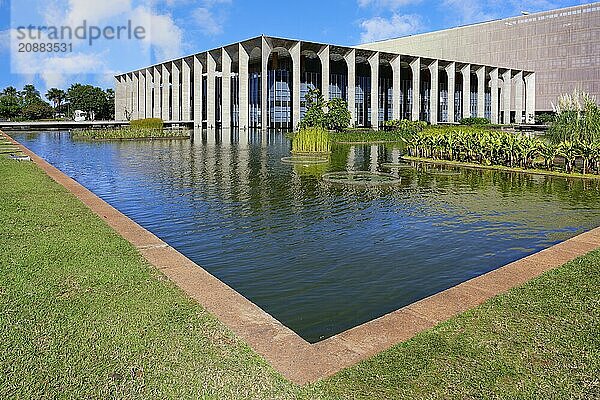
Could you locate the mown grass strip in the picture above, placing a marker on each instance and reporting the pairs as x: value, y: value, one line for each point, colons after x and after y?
x: 82, y: 315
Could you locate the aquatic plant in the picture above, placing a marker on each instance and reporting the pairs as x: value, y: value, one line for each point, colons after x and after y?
x: 311, y: 140
x: 487, y: 147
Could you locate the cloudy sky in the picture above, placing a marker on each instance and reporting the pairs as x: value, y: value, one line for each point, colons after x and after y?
x: 180, y: 27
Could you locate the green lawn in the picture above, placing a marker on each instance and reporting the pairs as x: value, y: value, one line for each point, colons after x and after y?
x: 82, y: 315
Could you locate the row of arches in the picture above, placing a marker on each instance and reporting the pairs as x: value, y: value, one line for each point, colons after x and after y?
x: 225, y: 87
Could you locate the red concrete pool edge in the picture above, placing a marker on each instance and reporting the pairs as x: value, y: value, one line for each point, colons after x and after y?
x: 295, y: 358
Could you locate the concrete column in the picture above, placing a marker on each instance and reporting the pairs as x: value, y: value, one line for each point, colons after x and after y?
x: 530, y: 98
x: 156, y: 113
x: 519, y: 97
x: 351, y: 64
x: 142, y: 95
x: 374, y: 63
x: 243, y: 61
x: 494, y: 90
x: 149, y: 86
x: 226, y: 89
x: 128, y: 108
x: 396, y: 87
x: 451, y: 73
x: 295, y: 53
x: 324, y: 57
x: 506, y: 95
x: 135, y: 101
x: 211, y: 101
x: 175, y: 113
x: 415, y: 66
x: 119, y: 99
x: 466, y: 75
x: 434, y: 97
x: 481, y: 92
x: 197, y: 92
x: 165, y: 112
x: 186, y: 88
x: 264, y: 94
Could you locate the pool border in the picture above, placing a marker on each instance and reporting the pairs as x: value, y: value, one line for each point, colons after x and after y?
x: 296, y: 359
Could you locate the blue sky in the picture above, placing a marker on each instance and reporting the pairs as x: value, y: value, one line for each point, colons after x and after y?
x: 180, y: 27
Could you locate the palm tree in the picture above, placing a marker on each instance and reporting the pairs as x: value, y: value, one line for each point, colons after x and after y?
x: 56, y: 96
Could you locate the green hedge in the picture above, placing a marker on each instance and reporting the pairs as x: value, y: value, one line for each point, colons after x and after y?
x: 474, y: 121
x: 149, y: 123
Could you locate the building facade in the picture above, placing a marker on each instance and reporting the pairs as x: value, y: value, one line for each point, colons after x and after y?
x: 561, y: 46
x: 262, y: 83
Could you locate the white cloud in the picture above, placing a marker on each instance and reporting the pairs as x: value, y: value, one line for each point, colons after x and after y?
x: 207, y: 22
x: 468, y: 11
x: 96, y: 11
x: 379, y: 28
x: 164, y: 35
x: 211, y: 16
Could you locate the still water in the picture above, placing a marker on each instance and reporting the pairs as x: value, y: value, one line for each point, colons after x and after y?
x: 320, y: 257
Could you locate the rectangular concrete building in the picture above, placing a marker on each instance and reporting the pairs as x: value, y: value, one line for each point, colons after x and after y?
x: 561, y: 46
x: 262, y: 83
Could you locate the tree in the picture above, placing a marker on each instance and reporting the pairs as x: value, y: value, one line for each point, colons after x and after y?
x: 30, y: 95
x: 10, y: 103
x: 37, y: 110
x: 107, y: 111
x: 56, y: 96
x: 87, y: 98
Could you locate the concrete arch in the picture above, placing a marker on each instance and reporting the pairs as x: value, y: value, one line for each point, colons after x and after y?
x: 280, y: 85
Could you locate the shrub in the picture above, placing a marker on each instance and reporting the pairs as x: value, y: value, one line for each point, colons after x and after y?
x: 338, y: 117
x: 315, y: 113
x: 147, y: 123
x: 474, y: 121
x: 405, y: 126
x: 545, y: 118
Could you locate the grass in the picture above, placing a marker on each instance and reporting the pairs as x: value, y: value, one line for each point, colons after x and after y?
x: 533, y: 171
x: 129, y: 133
x: 82, y: 315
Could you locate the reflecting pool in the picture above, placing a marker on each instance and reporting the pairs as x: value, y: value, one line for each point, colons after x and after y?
x: 323, y: 257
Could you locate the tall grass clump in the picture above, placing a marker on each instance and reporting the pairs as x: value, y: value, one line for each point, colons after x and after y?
x: 314, y: 140
x: 577, y: 119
